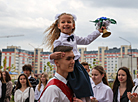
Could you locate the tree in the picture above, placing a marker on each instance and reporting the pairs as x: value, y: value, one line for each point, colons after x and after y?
x: 44, y: 68
x: 95, y: 63
x: 4, y: 64
x: 49, y: 66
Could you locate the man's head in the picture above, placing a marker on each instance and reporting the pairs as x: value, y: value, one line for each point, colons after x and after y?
x: 86, y: 66
x: 27, y: 68
x: 66, y: 63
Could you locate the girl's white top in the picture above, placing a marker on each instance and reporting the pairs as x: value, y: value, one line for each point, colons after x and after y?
x: 135, y: 81
x: 102, y: 92
x: 62, y: 41
x: 38, y: 93
x: 118, y: 97
x: 22, y: 96
x: 0, y: 88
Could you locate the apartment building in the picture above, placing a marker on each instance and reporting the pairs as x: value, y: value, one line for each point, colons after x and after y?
x: 18, y: 57
x: 112, y: 59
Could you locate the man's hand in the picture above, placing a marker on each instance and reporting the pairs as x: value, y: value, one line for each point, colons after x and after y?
x: 76, y: 100
x: 57, y: 55
x: 93, y: 99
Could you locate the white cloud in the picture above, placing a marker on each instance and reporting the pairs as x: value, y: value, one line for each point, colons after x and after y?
x: 32, y: 17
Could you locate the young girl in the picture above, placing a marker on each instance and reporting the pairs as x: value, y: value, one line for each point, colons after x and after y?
x: 122, y: 84
x: 102, y: 92
x: 24, y: 91
x: 42, y: 83
x: 2, y: 87
x: 7, y: 78
x: 61, y: 33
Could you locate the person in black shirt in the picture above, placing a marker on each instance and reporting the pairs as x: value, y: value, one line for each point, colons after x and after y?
x: 36, y: 77
x: 27, y: 68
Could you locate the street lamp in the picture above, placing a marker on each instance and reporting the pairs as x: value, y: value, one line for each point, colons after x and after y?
x: 130, y: 54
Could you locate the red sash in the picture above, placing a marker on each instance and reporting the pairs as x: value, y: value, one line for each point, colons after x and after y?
x: 65, y: 89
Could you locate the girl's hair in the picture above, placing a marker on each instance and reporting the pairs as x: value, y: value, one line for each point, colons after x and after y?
x: 129, y: 82
x: 8, y: 78
x: 1, y: 79
x: 54, y: 32
x: 46, y: 77
x: 102, y: 71
x: 18, y: 85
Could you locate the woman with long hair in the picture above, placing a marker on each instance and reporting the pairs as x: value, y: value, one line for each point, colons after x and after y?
x: 7, y: 78
x: 42, y: 83
x: 24, y: 92
x: 102, y: 92
x: 122, y: 84
x: 2, y: 87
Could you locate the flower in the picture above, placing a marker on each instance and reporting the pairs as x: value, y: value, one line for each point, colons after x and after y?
x: 103, y: 21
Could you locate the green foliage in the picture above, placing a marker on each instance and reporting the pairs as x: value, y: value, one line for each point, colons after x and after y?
x: 95, y: 63
x: 90, y: 66
x: 9, y: 68
x: 50, y: 66
x: 1, y: 67
x: 44, y: 68
x: 4, y: 64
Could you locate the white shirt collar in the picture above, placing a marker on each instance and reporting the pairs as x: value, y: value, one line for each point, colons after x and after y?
x: 61, y: 78
x: 29, y: 77
x: 98, y: 85
x: 65, y: 35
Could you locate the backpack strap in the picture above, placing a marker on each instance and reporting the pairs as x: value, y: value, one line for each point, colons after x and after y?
x: 65, y: 89
x: 29, y: 93
x: 135, y: 88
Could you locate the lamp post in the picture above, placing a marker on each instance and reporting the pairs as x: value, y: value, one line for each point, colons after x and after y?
x: 130, y: 54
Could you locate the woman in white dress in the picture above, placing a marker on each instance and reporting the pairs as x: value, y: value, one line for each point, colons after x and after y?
x: 42, y: 83
x: 24, y: 91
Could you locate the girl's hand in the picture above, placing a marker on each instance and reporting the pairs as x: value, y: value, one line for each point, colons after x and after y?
x: 93, y: 99
x: 132, y: 97
x: 76, y: 100
x: 57, y: 55
x: 102, y: 28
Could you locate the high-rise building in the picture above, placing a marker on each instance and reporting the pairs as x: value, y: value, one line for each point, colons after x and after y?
x: 18, y: 57
x: 110, y: 58
x: 81, y: 51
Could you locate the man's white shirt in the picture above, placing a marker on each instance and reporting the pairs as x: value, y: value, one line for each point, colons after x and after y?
x: 54, y: 93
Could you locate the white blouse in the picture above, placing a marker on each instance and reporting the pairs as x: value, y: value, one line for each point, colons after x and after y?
x: 135, y: 81
x: 0, y: 88
x: 62, y: 40
x: 22, y: 96
x: 38, y: 93
x: 102, y: 92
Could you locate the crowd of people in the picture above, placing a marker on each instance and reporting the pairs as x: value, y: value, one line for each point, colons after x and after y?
x: 27, y: 89
x: 72, y: 81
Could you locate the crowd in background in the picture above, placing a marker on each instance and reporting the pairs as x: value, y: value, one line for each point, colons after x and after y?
x: 28, y: 88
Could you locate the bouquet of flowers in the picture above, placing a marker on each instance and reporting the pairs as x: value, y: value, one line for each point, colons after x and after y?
x: 103, y: 21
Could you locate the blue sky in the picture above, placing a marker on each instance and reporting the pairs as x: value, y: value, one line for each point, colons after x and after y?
x: 31, y: 17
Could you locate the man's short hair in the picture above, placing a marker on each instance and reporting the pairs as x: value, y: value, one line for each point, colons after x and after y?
x: 27, y: 67
x: 84, y: 63
x: 62, y: 49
